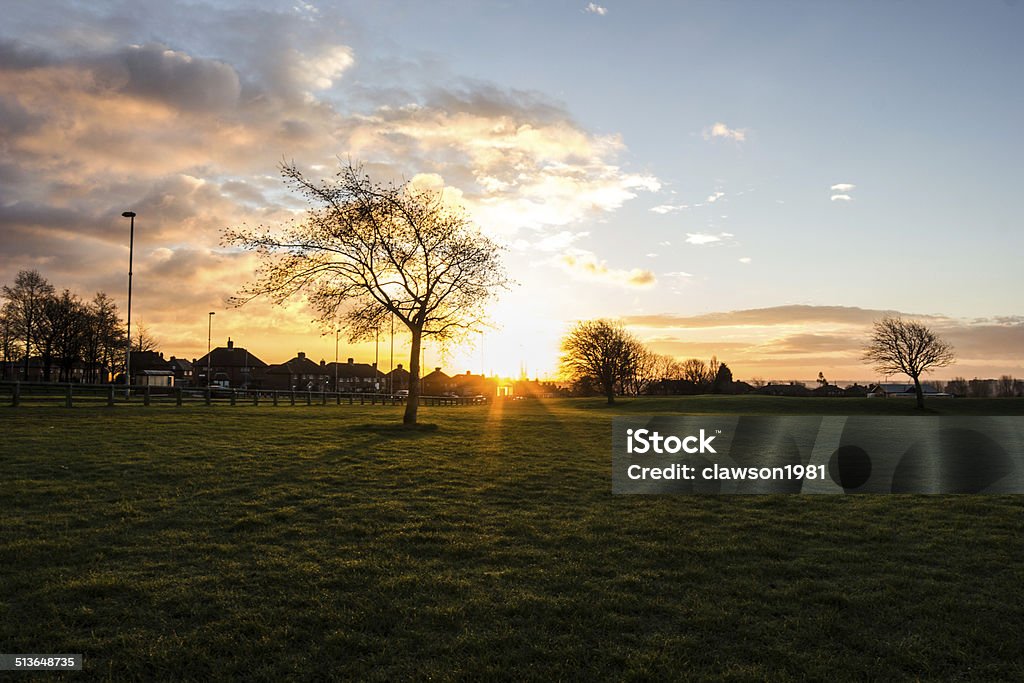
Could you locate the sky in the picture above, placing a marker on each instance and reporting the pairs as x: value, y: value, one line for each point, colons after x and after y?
x: 758, y: 180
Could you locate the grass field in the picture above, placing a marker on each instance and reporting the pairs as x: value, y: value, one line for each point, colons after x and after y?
x: 322, y: 543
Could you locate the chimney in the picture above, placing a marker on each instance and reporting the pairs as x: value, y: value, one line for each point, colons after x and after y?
x: 437, y: 369
x: 467, y: 373
x: 301, y: 355
x: 374, y: 365
x: 399, y: 367
x: 351, y: 361
x: 231, y: 344
x: 322, y: 362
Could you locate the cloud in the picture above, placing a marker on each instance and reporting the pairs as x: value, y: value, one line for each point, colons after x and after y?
x: 189, y: 127
x: 667, y: 208
x: 701, y: 238
x: 522, y: 162
x: 795, y: 341
x: 841, y: 192
x: 795, y: 314
x: 558, y: 241
x: 720, y: 130
x: 745, y: 259
x: 714, y: 197
x: 585, y: 265
x: 593, y: 8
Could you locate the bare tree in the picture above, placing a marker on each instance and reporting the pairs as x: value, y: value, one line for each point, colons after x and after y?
x: 8, y: 342
x: 695, y: 370
x: 1005, y: 386
x: 105, y: 341
x: 957, y: 386
x: 367, y: 250
x: 907, y: 347
x: 26, y: 299
x: 601, y: 353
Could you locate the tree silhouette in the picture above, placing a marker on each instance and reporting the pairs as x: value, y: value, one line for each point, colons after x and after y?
x: 26, y: 299
x: 907, y: 347
x: 601, y: 353
x: 367, y: 250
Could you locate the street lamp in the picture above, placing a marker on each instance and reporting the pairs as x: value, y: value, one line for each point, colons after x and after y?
x: 391, y: 375
x: 128, y: 352
x: 209, y: 333
x: 337, y: 334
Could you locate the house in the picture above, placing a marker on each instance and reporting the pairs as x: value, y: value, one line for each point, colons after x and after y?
x: 229, y: 366
x: 299, y: 373
x: 791, y: 389
x: 150, y: 369
x: 355, y: 377
x: 396, y: 380
x: 887, y: 390
x: 469, y: 384
x: 183, y: 371
x: 436, y: 383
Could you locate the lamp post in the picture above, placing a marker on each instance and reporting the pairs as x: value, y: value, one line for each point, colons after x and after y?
x: 209, y: 336
x: 337, y: 334
x: 128, y: 352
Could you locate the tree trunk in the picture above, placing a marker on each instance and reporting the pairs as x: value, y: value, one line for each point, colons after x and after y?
x: 919, y: 392
x: 413, y: 403
x: 611, y: 397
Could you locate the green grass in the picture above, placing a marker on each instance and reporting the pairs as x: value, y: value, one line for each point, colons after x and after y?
x: 319, y: 543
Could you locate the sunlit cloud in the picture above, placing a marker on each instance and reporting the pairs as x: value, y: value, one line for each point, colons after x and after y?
x: 714, y: 197
x: 842, y: 187
x: 668, y: 208
x: 593, y: 8
x: 841, y: 198
x: 720, y: 130
x: 193, y: 145
x: 586, y: 265
x: 700, y: 238
x: 745, y: 259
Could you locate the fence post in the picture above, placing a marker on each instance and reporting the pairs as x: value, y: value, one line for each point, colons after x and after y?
x: 337, y: 397
x: 145, y: 396
x: 177, y: 396
x: 256, y: 398
x: 209, y: 394
x: 323, y: 398
x: 233, y: 393
x: 67, y: 396
x: 110, y: 395
x: 275, y: 396
x: 293, y: 396
x: 309, y: 397
x: 16, y: 394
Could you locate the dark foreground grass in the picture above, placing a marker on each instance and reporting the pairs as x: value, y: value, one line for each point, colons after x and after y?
x: 320, y: 543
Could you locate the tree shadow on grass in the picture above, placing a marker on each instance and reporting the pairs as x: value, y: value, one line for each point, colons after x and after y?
x: 398, y: 429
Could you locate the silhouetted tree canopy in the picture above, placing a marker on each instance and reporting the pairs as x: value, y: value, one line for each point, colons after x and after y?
x: 907, y: 347
x: 602, y: 353
x: 367, y: 250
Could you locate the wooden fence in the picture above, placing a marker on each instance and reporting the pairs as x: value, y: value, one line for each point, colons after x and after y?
x: 71, y: 395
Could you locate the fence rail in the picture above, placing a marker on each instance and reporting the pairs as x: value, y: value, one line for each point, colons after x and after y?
x: 70, y: 395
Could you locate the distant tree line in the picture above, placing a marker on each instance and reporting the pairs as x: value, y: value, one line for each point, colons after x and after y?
x: 57, y: 336
x: 600, y: 357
